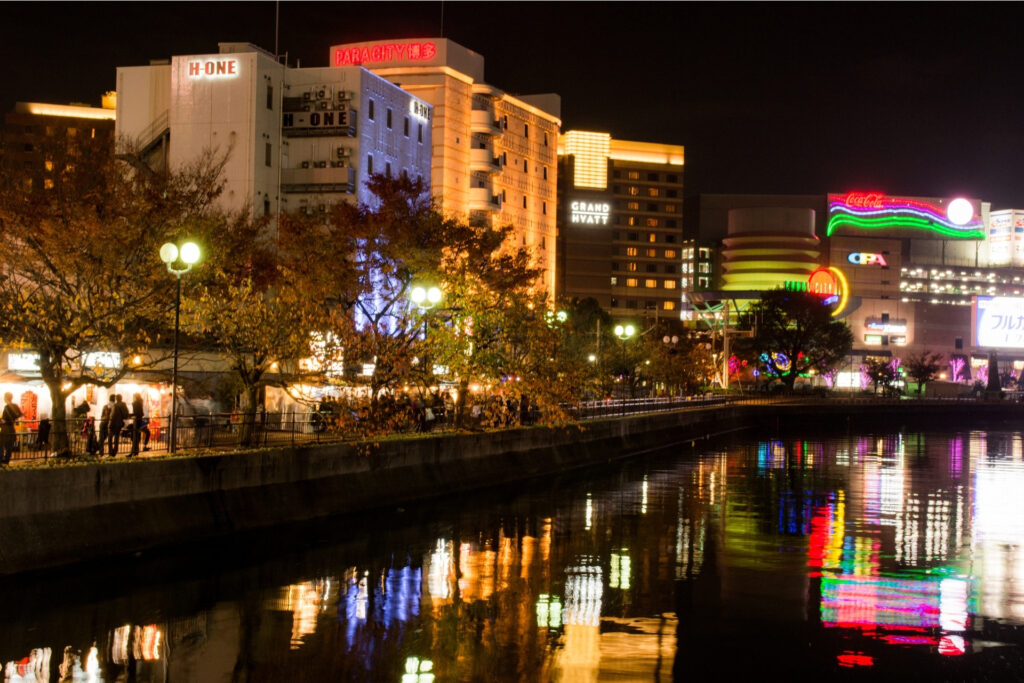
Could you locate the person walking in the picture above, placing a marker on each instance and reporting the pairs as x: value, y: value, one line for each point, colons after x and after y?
x: 105, y: 415
x: 8, y: 436
x: 137, y: 417
x: 118, y: 416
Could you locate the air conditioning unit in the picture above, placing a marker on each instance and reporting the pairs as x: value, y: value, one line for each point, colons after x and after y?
x: 343, y: 152
x: 321, y: 94
x: 306, y: 96
x: 342, y: 95
x: 321, y: 164
x: 337, y: 164
x: 323, y: 105
x: 305, y: 164
x: 305, y: 107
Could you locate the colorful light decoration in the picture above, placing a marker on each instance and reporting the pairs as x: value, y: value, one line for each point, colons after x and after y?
x: 875, y: 211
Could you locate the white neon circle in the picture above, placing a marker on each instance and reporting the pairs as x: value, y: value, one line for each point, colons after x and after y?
x: 960, y: 211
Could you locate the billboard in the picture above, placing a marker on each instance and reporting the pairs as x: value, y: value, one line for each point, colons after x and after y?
x: 998, y: 322
x: 954, y: 218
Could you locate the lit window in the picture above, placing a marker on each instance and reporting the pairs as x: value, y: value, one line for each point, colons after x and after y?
x: 615, y: 281
x: 634, y: 175
x: 633, y: 206
x: 705, y: 268
x: 651, y: 253
x: 48, y: 183
x: 634, y: 191
x: 652, y: 223
x: 632, y: 282
x: 669, y: 305
x: 670, y: 208
x: 49, y: 165
x: 652, y: 192
x: 652, y: 237
x: 631, y: 220
x: 631, y: 265
x: 650, y: 283
x: 631, y: 251
x: 670, y: 253
x: 669, y: 284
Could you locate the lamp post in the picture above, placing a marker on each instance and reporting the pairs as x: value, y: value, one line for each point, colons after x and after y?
x: 624, y: 332
x: 178, y: 262
x: 425, y: 297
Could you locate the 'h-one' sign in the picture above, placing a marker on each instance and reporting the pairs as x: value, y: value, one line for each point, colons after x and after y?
x: 213, y: 68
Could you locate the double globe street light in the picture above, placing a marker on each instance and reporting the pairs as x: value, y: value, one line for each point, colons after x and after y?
x: 624, y: 332
x: 178, y: 262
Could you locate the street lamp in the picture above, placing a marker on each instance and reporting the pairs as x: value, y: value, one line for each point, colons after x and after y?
x: 425, y: 298
x: 624, y: 332
x: 178, y: 262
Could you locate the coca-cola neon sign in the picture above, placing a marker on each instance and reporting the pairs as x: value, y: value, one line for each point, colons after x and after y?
x: 415, y: 51
x: 865, y: 200
x: 872, y: 211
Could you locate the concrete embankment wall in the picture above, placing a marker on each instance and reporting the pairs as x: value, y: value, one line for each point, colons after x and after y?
x: 51, y: 516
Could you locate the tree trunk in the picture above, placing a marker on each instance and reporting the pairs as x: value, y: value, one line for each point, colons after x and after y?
x: 247, y: 425
x: 60, y: 442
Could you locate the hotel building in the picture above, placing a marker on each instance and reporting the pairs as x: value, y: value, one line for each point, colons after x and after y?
x: 620, y: 225
x: 296, y: 139
x: 494, y: 154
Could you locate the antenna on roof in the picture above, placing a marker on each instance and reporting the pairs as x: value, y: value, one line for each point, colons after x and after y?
x: 277, y: 21
x: 442, y: 19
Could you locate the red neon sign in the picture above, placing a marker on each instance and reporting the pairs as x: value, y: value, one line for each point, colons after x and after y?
x: 385, y: 52
x: 213, y: 67
x: 822, y: 282
x: 865, y: 200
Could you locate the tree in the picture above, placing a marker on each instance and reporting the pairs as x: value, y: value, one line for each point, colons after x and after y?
x: 881, y: 373
x: 682, y: 363
x: 81, y: 281
x: 794, y: 332
x: 923, y: 367
x: 261, y: 301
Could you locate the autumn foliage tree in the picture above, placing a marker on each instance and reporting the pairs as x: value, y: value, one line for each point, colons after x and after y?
x: 79, y: 264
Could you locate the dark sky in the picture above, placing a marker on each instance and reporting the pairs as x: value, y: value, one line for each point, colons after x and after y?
x: 913, y: 99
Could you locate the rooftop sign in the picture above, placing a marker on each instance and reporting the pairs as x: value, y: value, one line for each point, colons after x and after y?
x: 382, y: 53
x: 875, y: 211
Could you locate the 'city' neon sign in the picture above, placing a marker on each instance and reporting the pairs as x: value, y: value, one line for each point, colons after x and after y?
x: 861, y: 258
x: 876, y: 211
x: 385, y: 52
x: 213, y: 68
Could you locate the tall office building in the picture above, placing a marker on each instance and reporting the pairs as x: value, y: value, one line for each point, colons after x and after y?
x: 297, y: 139
x: 620, y: 220
x: 494, y: 154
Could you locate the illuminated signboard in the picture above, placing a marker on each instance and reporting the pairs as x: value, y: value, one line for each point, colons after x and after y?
x: 998, y: 322
x: 23, y: 362
x: 414, y: 51
x: 589, y: 213
x: 317, y: 119
x: 886, y: 326
x: 213, y: 68
x: 419, y: 110
x: 861, y: 258
x: 102, y: 359
x: 828, y: 283
x: 957, y: 218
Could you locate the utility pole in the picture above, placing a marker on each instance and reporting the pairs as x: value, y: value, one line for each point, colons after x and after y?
x: 725, y: 345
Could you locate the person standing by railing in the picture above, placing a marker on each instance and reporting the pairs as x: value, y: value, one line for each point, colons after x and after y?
x: 105, y: 415
x: 138, y: 416
x: 8, y: 421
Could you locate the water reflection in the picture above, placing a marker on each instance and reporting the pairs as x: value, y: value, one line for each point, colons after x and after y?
x: 881, y: 553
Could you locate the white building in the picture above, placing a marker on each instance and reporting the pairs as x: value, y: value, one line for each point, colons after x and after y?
x: 298, y: 139
x: 495, y: 155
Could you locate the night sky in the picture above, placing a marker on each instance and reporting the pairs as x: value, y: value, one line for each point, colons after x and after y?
x: 911, y: 99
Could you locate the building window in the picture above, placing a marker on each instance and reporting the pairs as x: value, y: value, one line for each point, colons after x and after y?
x: 668, y: 305
x: 526, y: 131
x: 634, y: 191
x: 672, y: 178
x: 419, y: 134
x: 650, y: 283
x: 670, y: 269
x: 670, y: 223
x: 405, y: 125
x: 652, y: 253
x: 632, y: 282
x: 526, y: 168
x: 270, y: 96
x: 634, y: 175
x: 369, y: 111
x: 671, y: 239
x: 544, y: 208
x: 388, y: 118
x: 652, y: 223
x: 369, y: 164
x: 633, y: 206
x: 670, y: 253
x: 669, y: 284
x: 631, y: 251
x: 652, y: 206
x: 670, y: 208
x: 615, y: 266
x: 615, y: 281
x: 652, y: 267
x: 652, y: 192
x: 652, y: 237
x: 524, y: 201
x: 650, y: 305
x: 267, y: 155
x: 704, y: 268
x: 685, y: 282
x: 653, y: 177
x: 631, y: 303
x: 631, y: 266
x: 545, y: 173
x: 266, y: 206
x: 545, y: 139
x: 631, y: 220
x: 504, y: 197
x: 670, y: 193
x: 387, y: 168
x: 633, y: 237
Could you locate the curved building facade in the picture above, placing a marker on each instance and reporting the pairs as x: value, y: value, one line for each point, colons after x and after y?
x: 766, y: 247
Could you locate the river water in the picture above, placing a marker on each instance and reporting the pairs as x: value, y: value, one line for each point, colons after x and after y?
x: 865, y: 557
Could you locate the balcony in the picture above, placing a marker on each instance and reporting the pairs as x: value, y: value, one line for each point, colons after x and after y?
x: 319, y: 180
x: 484, y: 122
x: 484, y: 160
x: 483, y: 199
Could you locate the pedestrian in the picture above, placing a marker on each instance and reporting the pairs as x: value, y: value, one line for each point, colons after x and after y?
x: 8, y: 436
x: 43, y: 434
x: 92, y: 446
x: 138, y: 416
x: 118, y: 417
x: 105, y: 415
